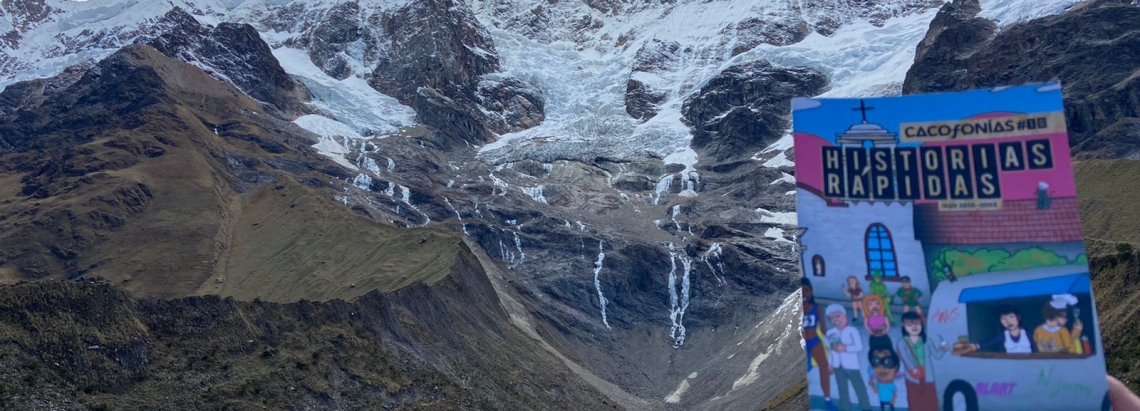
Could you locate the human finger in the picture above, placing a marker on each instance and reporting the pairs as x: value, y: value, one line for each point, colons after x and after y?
x: 1123, y: 399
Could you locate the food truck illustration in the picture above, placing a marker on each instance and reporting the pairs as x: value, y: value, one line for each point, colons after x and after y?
x: 967, y: 313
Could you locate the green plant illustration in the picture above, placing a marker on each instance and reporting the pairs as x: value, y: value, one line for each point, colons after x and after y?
x: 959, y: 263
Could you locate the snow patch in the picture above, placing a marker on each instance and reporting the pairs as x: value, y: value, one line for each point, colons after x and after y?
x: 777, y: 217
x: 351, y: 101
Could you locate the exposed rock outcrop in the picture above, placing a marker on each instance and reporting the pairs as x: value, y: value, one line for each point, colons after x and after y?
x: 510, y: 104
x: 234, y: 52
x: 435, y: 43
x: 1091, y: 49
x: 745, y: 107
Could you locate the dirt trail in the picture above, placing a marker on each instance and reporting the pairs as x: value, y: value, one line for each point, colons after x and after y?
x: 522, y: 319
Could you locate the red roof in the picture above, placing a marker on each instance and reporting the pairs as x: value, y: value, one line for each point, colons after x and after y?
x: 1017, y: 222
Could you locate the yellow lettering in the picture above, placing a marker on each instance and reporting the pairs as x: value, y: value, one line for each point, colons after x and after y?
x: 905, y: 160
x: 833, y: 183
x: 832, y: 159
x: 881, y: 161
x: 932, y: 160
x: 957, y: 160
x: 1039, y: 158
x: 933, y: 186
x: 1012, y: 160
x: 857, y: 188
x: 881, y: 184
x: 987, y: 184
x: 960, y: 187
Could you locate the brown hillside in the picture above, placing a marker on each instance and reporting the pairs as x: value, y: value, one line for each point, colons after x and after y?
x: 1109, y: 192
x: 77, y: 346
x: 151, y: 174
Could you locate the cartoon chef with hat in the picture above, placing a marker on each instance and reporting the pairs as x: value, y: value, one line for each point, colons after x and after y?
x: 1053, y: 336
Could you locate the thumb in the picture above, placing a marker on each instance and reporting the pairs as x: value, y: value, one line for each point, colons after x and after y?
x: 1122, y: 398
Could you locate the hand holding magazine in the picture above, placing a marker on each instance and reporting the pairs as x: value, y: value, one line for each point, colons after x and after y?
x: 944, y: 264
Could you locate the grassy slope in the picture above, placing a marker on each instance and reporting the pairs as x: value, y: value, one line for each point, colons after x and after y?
x: 290, y: 243
x: 1110, y: 215
x: 67, y: 345
x: 214, y: 218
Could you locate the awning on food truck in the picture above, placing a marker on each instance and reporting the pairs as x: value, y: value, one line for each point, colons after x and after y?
x: 1066, y: 284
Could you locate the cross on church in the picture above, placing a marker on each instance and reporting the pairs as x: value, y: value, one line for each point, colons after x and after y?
x: 863, y: 107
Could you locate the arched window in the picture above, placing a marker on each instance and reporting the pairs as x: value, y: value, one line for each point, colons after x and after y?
x: 881, y: 251
x: 818, y: 269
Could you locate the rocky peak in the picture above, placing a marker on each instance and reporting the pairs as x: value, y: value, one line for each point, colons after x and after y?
x: 744, y: 108
x: 954, y: 35
x: 1084, y: 47
x: 232, y: 51
x: 434, y: 43
x: 24, y: 14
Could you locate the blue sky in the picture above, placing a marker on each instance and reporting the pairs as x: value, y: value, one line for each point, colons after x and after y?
x: 836, y: 115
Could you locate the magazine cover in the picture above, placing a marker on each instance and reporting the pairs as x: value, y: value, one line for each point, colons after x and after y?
x: 944, y: 265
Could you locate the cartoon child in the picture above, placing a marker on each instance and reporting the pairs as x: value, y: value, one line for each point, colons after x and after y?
x: 918, y: 355
x: 909, y: 296
x: 1013, y: 339
x: 855, y: 292
x: 884, y: 370
x: 846, y: 344
x: 1053, y: 336
x: 812, y: 326
x: 880, y: 289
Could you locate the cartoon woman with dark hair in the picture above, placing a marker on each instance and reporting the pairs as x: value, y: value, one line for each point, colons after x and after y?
x: 918, y: 355
x: 1013, y: 339
x: 813, y: 326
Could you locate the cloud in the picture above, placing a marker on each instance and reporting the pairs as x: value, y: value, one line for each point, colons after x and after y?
x: 802, y: 103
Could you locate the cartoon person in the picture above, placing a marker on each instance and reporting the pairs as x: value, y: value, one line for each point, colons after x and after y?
x: 855, y: 292
x: 918, y: 355
x: 909, y: 296
x: 846, y: 344
x: 1013, y: 339
x: 880, y: 289
x: 884, y: 370
x: 875, y: 322
x: 812, y: 326
x: 1052, y: 336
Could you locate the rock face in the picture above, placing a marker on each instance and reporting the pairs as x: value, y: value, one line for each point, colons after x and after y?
x: 511, y: 105
x: 435, y: 43
x: 753, y: 32
x: 456, y: 122
x: 1091, y: 49
x: 641, y: 99
x: 941, y: 60
x: 232, y: 51
x: 745, y: 107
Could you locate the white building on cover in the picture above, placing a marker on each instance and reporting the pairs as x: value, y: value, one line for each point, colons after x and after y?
x: 853, y: 238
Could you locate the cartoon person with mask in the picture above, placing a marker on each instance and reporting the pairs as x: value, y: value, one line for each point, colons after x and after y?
x: 884, y: 370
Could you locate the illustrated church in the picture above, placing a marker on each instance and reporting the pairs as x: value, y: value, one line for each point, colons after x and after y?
x: 853, y: 238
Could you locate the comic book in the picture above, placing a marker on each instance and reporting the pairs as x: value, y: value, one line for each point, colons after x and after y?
x: 942, y: 255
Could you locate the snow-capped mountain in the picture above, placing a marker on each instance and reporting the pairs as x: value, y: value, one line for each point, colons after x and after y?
x: 627, y: 161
